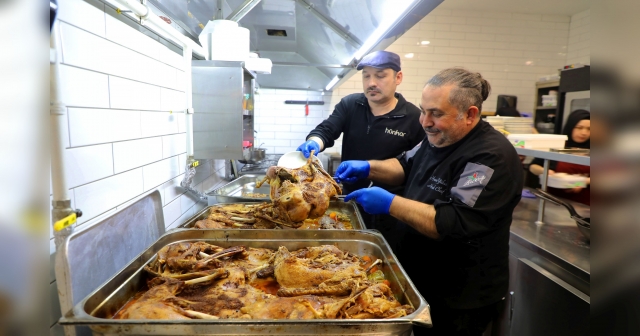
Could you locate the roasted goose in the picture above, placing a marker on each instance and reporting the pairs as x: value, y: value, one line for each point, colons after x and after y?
x: 258, y: 283
x: 256, y: 216
x: 297, y: 194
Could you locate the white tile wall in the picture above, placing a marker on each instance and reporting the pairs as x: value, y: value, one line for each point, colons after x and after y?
x: 94, y: 126
x: 98, y: 197
x: 83, y: 88
x: 160, y: 172
x: 159, y: 123
x: 88, y: 164
x: 120, y: 86
x: 135, y: 153
x: 173, y: 144
x: 82, y: 14
x: 281, y: 127
x: 125, y: 96
x: 579, y: 49
x: 133, y: 95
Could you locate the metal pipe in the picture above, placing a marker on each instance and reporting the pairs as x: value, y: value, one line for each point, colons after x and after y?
x: 147, y: 17
x: 242, y: 10
x: 335, y: 26
x: 61, y: 203
x: 188, y: 112
x: 545, y: 176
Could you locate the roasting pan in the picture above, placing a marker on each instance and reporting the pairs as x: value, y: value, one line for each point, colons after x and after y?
x: 94, y: 310
x: 348, y: 208
x: 239, y: 190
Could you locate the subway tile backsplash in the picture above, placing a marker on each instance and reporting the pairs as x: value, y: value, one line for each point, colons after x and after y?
x: 125, y: 98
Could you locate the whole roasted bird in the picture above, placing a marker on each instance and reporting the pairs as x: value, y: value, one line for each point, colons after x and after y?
x: 298, y: 194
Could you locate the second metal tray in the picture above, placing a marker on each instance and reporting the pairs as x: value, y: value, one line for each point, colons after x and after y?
x: 347, y: 208
x: 239, y: 190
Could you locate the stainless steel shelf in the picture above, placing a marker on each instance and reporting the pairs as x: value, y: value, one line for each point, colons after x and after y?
x: 546, y: 154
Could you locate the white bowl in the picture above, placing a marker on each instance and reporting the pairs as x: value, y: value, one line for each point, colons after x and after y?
x: 295, y: 160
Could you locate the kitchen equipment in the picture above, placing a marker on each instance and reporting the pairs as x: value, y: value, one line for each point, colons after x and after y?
x: 223, y: 104
x: 295, y: 159
x: 349, y: 209
x: 312, y: 44
x: 100, y: 248
x: 95, y: 309
x: 236, y: 191
x: 584, y: 224
x: 253, y: 155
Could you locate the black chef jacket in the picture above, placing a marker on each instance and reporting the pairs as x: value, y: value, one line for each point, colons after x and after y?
x: 474, y: 185
x: 367, y: 137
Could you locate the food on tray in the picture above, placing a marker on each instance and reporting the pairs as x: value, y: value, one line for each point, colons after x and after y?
x: 298, y: 194
x: 253, y: 195
x: 257, y: 216
x: 196, y: 280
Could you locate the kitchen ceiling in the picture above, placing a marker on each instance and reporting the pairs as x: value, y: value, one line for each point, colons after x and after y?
x: 311, y: 43
x: 550, y: 7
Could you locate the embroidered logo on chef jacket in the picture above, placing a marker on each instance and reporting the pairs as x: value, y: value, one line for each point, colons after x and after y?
x: 471, y: 183
x: 394, y: 132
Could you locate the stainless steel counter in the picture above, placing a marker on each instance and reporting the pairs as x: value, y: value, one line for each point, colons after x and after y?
x: 557, y: 245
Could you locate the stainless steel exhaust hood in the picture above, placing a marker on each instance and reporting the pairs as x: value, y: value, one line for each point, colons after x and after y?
x: 313, y: 44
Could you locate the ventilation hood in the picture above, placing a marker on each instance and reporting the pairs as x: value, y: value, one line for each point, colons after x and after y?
x: 313, y: 44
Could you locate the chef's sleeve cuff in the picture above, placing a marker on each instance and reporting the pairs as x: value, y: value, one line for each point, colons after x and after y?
x: 446, y: 218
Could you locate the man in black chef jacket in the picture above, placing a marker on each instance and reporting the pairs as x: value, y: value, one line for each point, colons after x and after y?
x: 462, y: 185
x: 376, y: 125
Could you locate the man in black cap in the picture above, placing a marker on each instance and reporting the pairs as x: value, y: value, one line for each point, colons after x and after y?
x: 376, y: 125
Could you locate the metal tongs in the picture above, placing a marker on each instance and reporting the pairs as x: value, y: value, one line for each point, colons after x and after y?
x: 341, y: 197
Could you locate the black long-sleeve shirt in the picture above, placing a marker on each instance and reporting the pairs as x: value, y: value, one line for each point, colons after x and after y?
x: 474, y: 185
x: 367, y: 137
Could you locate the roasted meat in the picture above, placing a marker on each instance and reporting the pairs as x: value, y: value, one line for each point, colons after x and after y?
x: 298, y: 194
x: 259, y: 283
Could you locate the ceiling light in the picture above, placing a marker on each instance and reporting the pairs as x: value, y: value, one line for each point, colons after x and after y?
x: 409, y: 55
x: 528, y: 63
x: 332, y: 83
x: 425, y: 42
x: 392, y: 15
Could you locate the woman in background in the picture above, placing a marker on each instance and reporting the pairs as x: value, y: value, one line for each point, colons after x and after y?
x: 578, y: 130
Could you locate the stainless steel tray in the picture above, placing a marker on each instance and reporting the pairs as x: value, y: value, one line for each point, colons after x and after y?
x: 347, y: 208
x: 93, y: 310
x: 236, y: 190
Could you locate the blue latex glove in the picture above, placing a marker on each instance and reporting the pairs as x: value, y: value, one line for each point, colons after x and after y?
x: 307, y: 147
x: 375, y: 200
x: 351, y: 171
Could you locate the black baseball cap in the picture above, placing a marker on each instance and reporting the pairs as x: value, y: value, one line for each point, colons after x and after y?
x: 381, y: 60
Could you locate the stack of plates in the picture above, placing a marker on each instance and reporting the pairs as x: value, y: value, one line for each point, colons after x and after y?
x: 516, y: 125
x: 496, y: 122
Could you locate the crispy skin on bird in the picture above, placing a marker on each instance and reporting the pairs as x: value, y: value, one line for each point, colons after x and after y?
x: 298, y: 194
x: 321, y: 270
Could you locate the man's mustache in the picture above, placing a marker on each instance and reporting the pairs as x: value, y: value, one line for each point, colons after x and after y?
x: 431, y: 129
x: 373, y: 90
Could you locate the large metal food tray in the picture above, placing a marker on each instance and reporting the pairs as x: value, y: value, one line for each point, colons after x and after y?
x: 347, y: 208
x: 93, y: 310
x: 236, y: 190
